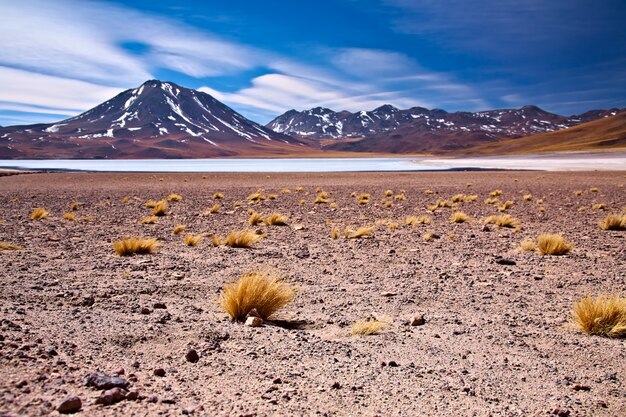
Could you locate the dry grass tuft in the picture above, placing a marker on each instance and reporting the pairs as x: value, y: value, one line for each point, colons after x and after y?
x: 218, y: 196
x: 160, y: 209
x: 578, y: 193
x: 241, y: 239
x: 527, y: 197
x: 216, y: 240
x: 593, y: 190
x: 552, y: 244
x: 74, y: 205
x: 298, y: 189
x: 256, y: 197
x: 192, y: 240
x: 469, y: 198
x: 614, y: 222
x: 322, y: 198
x: 285, y: 191
x: 495, y: 193
x: 458, y: 198
x: 256, y: 290
x: 599, y: 206
x: 494, y: 200
x: 148, y: 220
x: 430, y: 236
x: 174, y: 197
x: 9, y: 246
x: 528, y: 245
x: 179, y: 229
x: 363, y: 199
x: 302, y: 202
x: 135, y: 245
x: 388, y: 193
x: 399, y: 197
x: 272, y: 196
x: 359, y: 233
x: 428, y: 192
x: 387, y: 203
x: 505, y: 206
x: 69, y: 216
x: 367, y: 327
x: 151, y: 203
x: 275, y: 219
x: 335, y: 233
x: 39, y: 213
x: 255, y: 218
x: 126, y: 200
x: 392, y: 225
x: 459, y: 217
x: 602, y: 316
x: 581, y: 209
x: 504, y: 220
x: 413, y: 221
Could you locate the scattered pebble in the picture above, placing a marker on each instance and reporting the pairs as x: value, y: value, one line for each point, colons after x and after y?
x: 70, y: 405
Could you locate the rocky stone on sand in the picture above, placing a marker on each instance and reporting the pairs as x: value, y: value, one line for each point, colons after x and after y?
x: 504, y: 261
x: 192, y: 356
x: 254, y: 321
x: 103, y: 382
x: 159, y: 372
x: 159, y: 305
x: 112, y: 396
x: 418, y: 320
x: 70, y: 405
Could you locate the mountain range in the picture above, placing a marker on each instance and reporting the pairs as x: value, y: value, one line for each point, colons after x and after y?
x: 164, y: 120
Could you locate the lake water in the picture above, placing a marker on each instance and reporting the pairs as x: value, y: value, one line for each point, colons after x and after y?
x: 562, y: 162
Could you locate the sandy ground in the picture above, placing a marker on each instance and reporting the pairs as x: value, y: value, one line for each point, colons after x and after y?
x: 497, y: 339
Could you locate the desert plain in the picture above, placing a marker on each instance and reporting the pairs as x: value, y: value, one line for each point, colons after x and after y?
x: 496, y: 338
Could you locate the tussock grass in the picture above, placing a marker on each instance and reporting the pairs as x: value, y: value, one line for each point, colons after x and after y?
x: 322, y: 198
x: 335, y: 233
x: 237, y: 204
x: 459, y: 217
x: 504, y: 220
x: 359, y: 233
x: 298, y: 189
x: 614, y: 222
x: 429, y: 236
x: 494, y: 200
x: 363, y: 199
x: 428, y: 192
x: 392, y: 225
x: 126, y: 200
x: 74, y: 205
x: 469, y: 198
x: 527, y: 197
x: 495, y: 193
x: 192, y: 240
x: 87, y: 218
x: 174, y: 197
x: 285, y: 191
x: 333, y: 206
x: 216, y: 240
x: 213, y: 209
x: 255, y: 218
x: 458, y: 198
x: 272, y: 196
x: 388, y: 193
x: 160, y: 209
x: 599, y: 206
x: 39, y: 213
x: 603, y: 315
x: 367, y: 327
x: 387, y: 203
x: 262, y: 291
x: 135, y: 245
x: 218, y: 196
x: 179, y: 229
x: 275, y: 219
x: 241, y: 239
x: 553, y: 244
x: 69, y: 216
x: 151, y: 204
x: 528, y: 245
x: 414, y: 221
x: 9, y: 246
x: 505, y: 206
x: 256, y: 197
x: 302, y: 202
x: 578, y: 193
x: 399, y: 197
x: 148, y: 220
x: 581, y: 209
x: 593, y: 190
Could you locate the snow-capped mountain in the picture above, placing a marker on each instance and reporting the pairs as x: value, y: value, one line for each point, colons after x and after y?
x: 157, y: 119
x: 323, y: 123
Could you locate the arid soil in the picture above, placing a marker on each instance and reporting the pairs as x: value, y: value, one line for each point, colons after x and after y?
x: 497, y: 338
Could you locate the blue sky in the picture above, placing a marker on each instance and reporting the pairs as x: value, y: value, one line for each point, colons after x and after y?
x: 62, y: 57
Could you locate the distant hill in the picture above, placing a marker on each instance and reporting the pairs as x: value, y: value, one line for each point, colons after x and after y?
x: 156, y: 120
x: 607, y: 133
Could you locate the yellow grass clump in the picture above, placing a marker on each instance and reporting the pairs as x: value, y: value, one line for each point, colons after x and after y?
x: 275, y: 219
x: 192, y: 240
x: 386, y: 203
x: 151, y: 203
x: 469, y: 198
x: 256, y: 197
x: 9, y: 246
x: 495, y: 193
x: 388, y: 193
x: 125, y: 200
x: 602, y: 316
x: 298, y: 189
x: 212, y: 210
x: 148, y: 220
x: 218, y: 196
x: 599, y: 206
x: 552, y: 244
x: 505, y: 206
x: 429, y: 236
x: 360, y: 232
x: 135, y: 245
x: 614, y: 222
x: 414, y: 221
x: 272, y: 196
x: 494, y: 200
x: 285, y: 191
x: 428, y: 192
x: 262, y: 291
x: 528, y: 245
x: 527, y: 197
x: 302, y: 202
x: 39, y: 213
x: 504, y: 220
x: 334, y: 233
x: 179, y: 229
x: 399, y: 197
x: 392, y: 225
x: 593, y: 190
x: 255, y: 218
x: 174, y: 197
x: 363, y: 199
x: 459, y: 217
x: 69, y: 216
x: 578, y: 193
x: 160, y: 209
x: 321, y: 199
x: 458, y: 198
x: 241, y: 239
x: 74, y: 205
x: 367, y: 327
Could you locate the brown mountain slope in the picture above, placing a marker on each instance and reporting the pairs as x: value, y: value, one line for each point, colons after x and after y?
x: 607, y: 133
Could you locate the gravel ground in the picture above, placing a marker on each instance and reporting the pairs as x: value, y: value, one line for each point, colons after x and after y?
x: 497, y: 338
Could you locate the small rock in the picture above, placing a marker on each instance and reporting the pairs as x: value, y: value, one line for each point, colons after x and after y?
x: 159, y: 305
x: 51, y: 351
x: 336, y: 385
x: 561, y: 412
x: 503, y: 261
x: 303, y: 253
x: 579, y: 387
x: 393, y: 364
x: 112, y: 396
x: 254, y: 322
x: 159, y: 372
x: 168, y: 400
x: 192, y: 356
x: 103, y: 382
x: 145, y: 310
x: 70, y: 405
x: 388, y: 294
x: 253, y: 313
x: 418, y: 320
x: 132, y: 395
x: 87, y: 301
x: 53, y: 238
